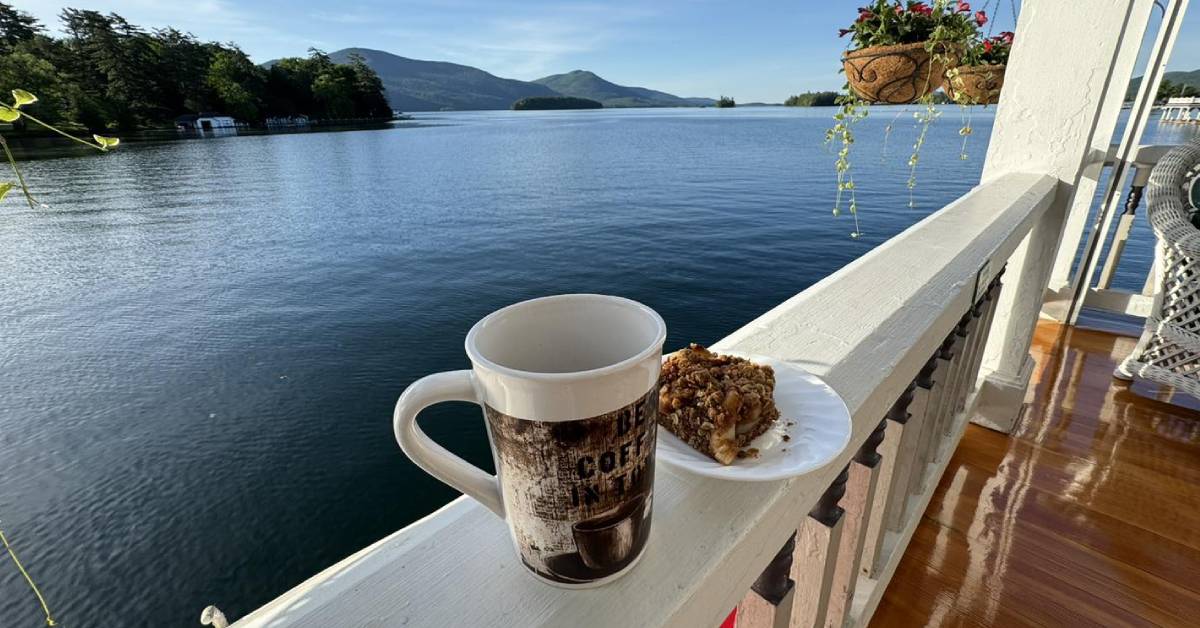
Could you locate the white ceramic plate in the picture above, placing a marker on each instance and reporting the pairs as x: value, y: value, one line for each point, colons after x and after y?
x: 811, y: 414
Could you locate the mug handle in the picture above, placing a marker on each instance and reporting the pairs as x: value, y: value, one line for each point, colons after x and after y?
x: 432, y: 457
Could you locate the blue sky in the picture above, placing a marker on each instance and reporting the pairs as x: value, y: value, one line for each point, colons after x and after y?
x: 751, y: 50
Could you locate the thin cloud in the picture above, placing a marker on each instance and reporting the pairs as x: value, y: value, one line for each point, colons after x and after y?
x: 529, y: 46
x: 353, y: 16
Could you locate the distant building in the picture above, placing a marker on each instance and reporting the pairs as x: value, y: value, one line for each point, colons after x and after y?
x: 1185, y: 109
x: 204, y: 121
x: 284, y: 121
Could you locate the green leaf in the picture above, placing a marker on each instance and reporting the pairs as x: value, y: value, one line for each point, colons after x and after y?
x: 106, y: 142
x: 22, y: 97
x: 8, y: 114
x: 5, y: 188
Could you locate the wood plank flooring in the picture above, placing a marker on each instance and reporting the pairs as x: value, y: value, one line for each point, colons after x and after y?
x: 1088, y: 515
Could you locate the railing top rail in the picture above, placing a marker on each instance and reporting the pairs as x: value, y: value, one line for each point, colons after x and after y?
x: 867, y: 329
x: 1144, y: 156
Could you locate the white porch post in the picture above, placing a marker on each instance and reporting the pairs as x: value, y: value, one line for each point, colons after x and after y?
x: 1077, y: 219
x: 1123, y: 159
x: 1062, y: 94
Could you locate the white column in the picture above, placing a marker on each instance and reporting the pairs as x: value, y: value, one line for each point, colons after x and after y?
x: 1056, y: 118
x: 1120, y: 64
x: 1124, y: 156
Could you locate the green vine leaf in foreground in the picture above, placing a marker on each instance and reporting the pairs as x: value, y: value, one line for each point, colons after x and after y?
x: 22, y: 98
x: 106, y: 142
x: 11, y: 113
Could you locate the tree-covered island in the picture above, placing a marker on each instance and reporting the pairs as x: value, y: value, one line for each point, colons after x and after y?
x: 812, y: 99
x: 540, y: 103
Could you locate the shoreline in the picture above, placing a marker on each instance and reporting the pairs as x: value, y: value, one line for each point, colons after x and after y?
x: 47, y: 145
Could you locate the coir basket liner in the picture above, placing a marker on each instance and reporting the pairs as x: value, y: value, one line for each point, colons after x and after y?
x: 975, y: 84
x: 896, y: 75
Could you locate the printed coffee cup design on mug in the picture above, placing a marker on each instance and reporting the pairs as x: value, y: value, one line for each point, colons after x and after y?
x: 607, y: 541
x: 569, y: 390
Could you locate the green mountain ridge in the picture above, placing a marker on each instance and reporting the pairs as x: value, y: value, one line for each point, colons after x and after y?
x: 1178, y: 77
x: 419, y: 85
x: 585, y: 84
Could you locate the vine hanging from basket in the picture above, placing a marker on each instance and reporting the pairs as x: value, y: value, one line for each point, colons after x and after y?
x: 978, y: 79
x: 901, y: 53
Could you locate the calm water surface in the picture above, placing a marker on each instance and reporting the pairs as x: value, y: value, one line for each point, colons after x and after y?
x: 201, y: 341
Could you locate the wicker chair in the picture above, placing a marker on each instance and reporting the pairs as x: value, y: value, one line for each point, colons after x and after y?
x: 1168, y: 351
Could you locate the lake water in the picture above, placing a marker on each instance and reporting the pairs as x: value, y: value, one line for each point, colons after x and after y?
x: 202, y: 340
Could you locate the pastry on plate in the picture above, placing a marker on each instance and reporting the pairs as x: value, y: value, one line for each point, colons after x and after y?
x: 716, y: 403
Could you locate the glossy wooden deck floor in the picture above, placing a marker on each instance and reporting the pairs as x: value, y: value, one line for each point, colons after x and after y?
x: 1088, y: 515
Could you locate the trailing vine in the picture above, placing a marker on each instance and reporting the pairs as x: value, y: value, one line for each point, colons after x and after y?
x: 852, y: 111
x: 924, y: 118
x: 13, y: 112
x: 21, y: 568
x: 944, y: 28
x: 965, y: 130
x: 887, y: 134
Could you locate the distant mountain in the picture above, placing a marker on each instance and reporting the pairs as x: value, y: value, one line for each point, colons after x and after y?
x: 416, y: 85
x: 1191, y: 79
x: 584, y: 84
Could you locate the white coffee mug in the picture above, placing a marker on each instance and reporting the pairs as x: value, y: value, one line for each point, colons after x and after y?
x: 569, y: 390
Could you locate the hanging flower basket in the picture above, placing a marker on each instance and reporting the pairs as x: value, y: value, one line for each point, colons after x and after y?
x: 897, y: 75
x: 901, y: 52
x: 975, y: 84
x: 980, y: 77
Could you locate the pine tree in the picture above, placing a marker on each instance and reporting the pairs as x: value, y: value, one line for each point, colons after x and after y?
x: 15, y: 27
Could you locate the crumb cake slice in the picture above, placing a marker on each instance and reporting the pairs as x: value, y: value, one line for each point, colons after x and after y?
x: 716, y: 403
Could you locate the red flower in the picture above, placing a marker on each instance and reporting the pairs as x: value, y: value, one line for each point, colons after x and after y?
x: 963, y: 7
x: 980, y: 18
x: 920, y: 8
x: 843, y: 32
x: 864, y: 15
x: 899, y: 9
x: 987, y: 45
x: 1007, y: 37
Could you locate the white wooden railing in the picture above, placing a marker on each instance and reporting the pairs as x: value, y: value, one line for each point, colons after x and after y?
x: 898, y: 333
x: 917, y: 336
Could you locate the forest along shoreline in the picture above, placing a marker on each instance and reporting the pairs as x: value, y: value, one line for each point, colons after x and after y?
x: 106, y: 75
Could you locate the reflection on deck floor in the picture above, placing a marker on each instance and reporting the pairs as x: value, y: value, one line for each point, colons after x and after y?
x: 1088, y: 515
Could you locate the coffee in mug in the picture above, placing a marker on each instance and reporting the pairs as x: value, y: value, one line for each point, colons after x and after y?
x: 569, y: 390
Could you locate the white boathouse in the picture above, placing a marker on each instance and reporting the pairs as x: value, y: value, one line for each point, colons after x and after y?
x: 205, y: 121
